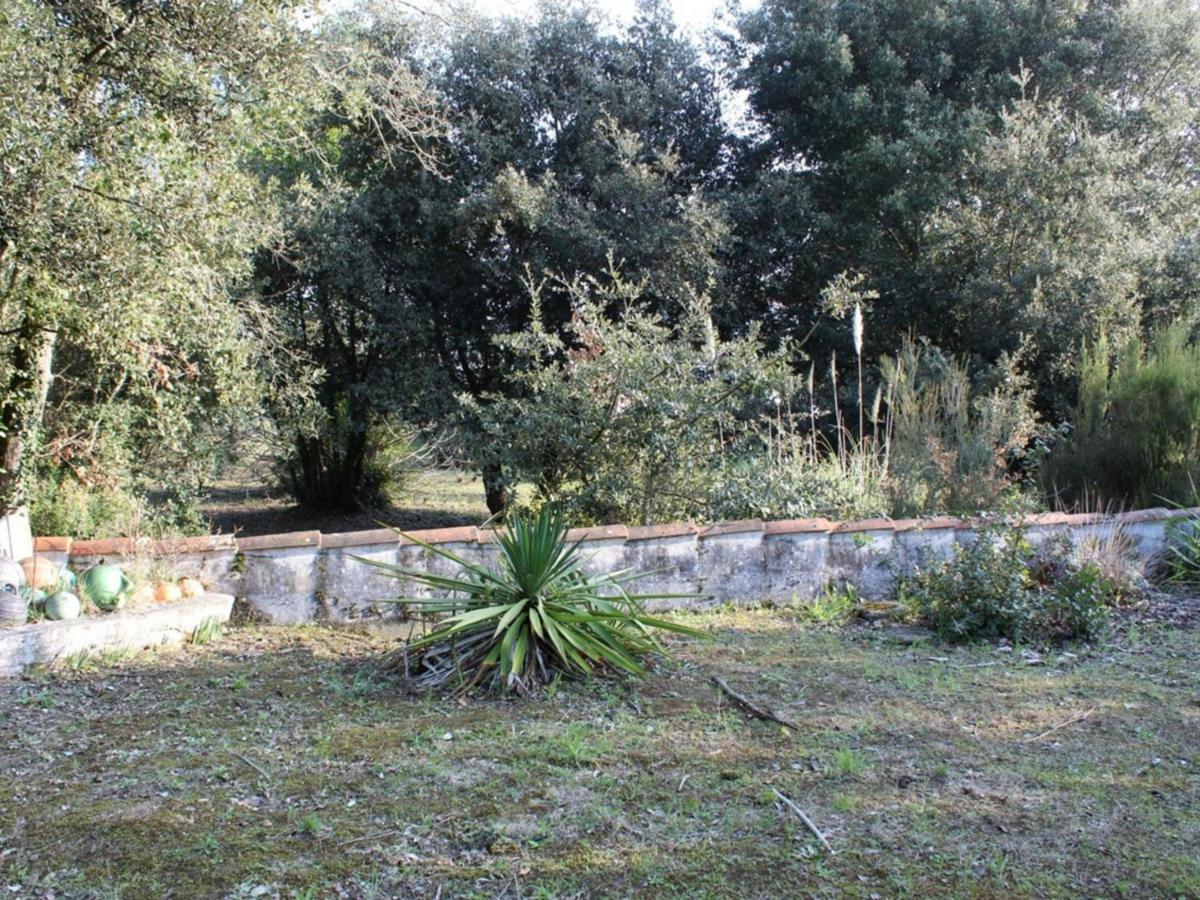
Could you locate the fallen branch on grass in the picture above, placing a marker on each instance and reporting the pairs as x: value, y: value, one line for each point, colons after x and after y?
x: 1071, y: 721
x: 806, y: 820
x: 757, y: 711
x: 253, y: 765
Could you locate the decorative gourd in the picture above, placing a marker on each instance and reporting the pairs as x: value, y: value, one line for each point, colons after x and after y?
x: 105, y: 585
x: 167, y: 592
x: 63, y: 605
x: 143, y: 595
x: 191, y: 587
x: 41, y: 572
x: 14, y: 609
x: 11, y: 573
x: 67, y: 581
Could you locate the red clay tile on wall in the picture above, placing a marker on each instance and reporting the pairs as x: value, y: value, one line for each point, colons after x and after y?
x: 280, y: 541
x: 365, y: 538
x: 670, y: 530
x: 741, y: 526
x: 799, y: 526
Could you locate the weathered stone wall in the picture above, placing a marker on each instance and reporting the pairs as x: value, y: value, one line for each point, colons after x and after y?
x: 47, y: 643
x: 309, y: 576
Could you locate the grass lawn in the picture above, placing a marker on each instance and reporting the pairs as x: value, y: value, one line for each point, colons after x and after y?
x: 267, y: 764
x: 431, y: 498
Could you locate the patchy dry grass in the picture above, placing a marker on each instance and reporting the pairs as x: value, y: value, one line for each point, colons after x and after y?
x: 268, y: 762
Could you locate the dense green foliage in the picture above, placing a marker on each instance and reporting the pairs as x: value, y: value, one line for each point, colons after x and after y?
x: 127, y: 218
x: 636, y: 417
x: 1007, y: 173
x: 566, y: 145
x: 222, y: 219
x: 536, y: 616
x: 1136, y: 431
x: 631, y: 419
x: 1000, y: 586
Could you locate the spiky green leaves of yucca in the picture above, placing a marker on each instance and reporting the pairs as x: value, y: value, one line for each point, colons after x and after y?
x: 534, y: 615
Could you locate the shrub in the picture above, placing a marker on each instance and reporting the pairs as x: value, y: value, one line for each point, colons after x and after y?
x: 981, y: 592
x: 631, y: 416
x: 801, y: 485
x: 1076, y: 606
x: 1000, y: 586
x: 1136, y: 435
x: 347, y: 458
x: 951, y: 444
x: 1183, y: 551
x: 103, y: 504
x: 534, y: 616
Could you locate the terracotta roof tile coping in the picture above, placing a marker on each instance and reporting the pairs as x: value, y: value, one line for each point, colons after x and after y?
x: 799, y: 526
x: 52, y: 545
x: 933, y: 523
x: 471, y: 534
x: 365, y: 538
x: 1050, y: 518
x: 741, y: 526
x: 103, y: 547
x: 204, y: 543
x: 865, y: 525
x: 673, y: 529
x: 464, y: 534
x: 280, y: 541
x: 599, y: 533
x: 1143, y: 515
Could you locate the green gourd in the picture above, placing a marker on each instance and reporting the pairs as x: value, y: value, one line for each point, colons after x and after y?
x: 105, y: 585
x: 63, y: 605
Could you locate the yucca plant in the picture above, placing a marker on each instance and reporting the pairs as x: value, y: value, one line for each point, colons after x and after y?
x: 533, y: 616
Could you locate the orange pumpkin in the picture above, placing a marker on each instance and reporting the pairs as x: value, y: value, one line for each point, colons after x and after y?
x: 40, y: 572
x: 191, y: 588
x: 167, y: 592
x: 143, y: 595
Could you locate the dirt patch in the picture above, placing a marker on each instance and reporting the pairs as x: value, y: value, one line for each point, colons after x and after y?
x: 1179, y: 609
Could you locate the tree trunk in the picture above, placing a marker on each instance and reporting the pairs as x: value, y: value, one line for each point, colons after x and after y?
x: 495, y: 488
x: 22, y: 409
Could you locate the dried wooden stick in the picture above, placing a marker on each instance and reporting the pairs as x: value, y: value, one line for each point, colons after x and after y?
x: 371, y: 837
x: 255, y: 766
x: 1071, y: 721
x: 757, y: 711
x: 806, y: 820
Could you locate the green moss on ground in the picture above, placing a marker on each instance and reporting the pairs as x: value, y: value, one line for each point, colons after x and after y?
x: 269, y: 761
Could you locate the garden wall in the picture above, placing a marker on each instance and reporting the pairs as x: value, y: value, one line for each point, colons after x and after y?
x: 47, y: 643
x: 309, y: 576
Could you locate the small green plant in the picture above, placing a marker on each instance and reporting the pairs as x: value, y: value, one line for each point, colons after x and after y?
x: 311, y: 825
x: 536, y: 615
x: 848, y: 762
x: 833, y: 606
x: 206, y: 631
x: 80, y: 660
x: 110, y: 656
x: 1077, y: 606
x: 578, y: 747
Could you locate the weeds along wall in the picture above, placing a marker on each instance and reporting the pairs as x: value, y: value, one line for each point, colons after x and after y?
x: 308, y: 576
